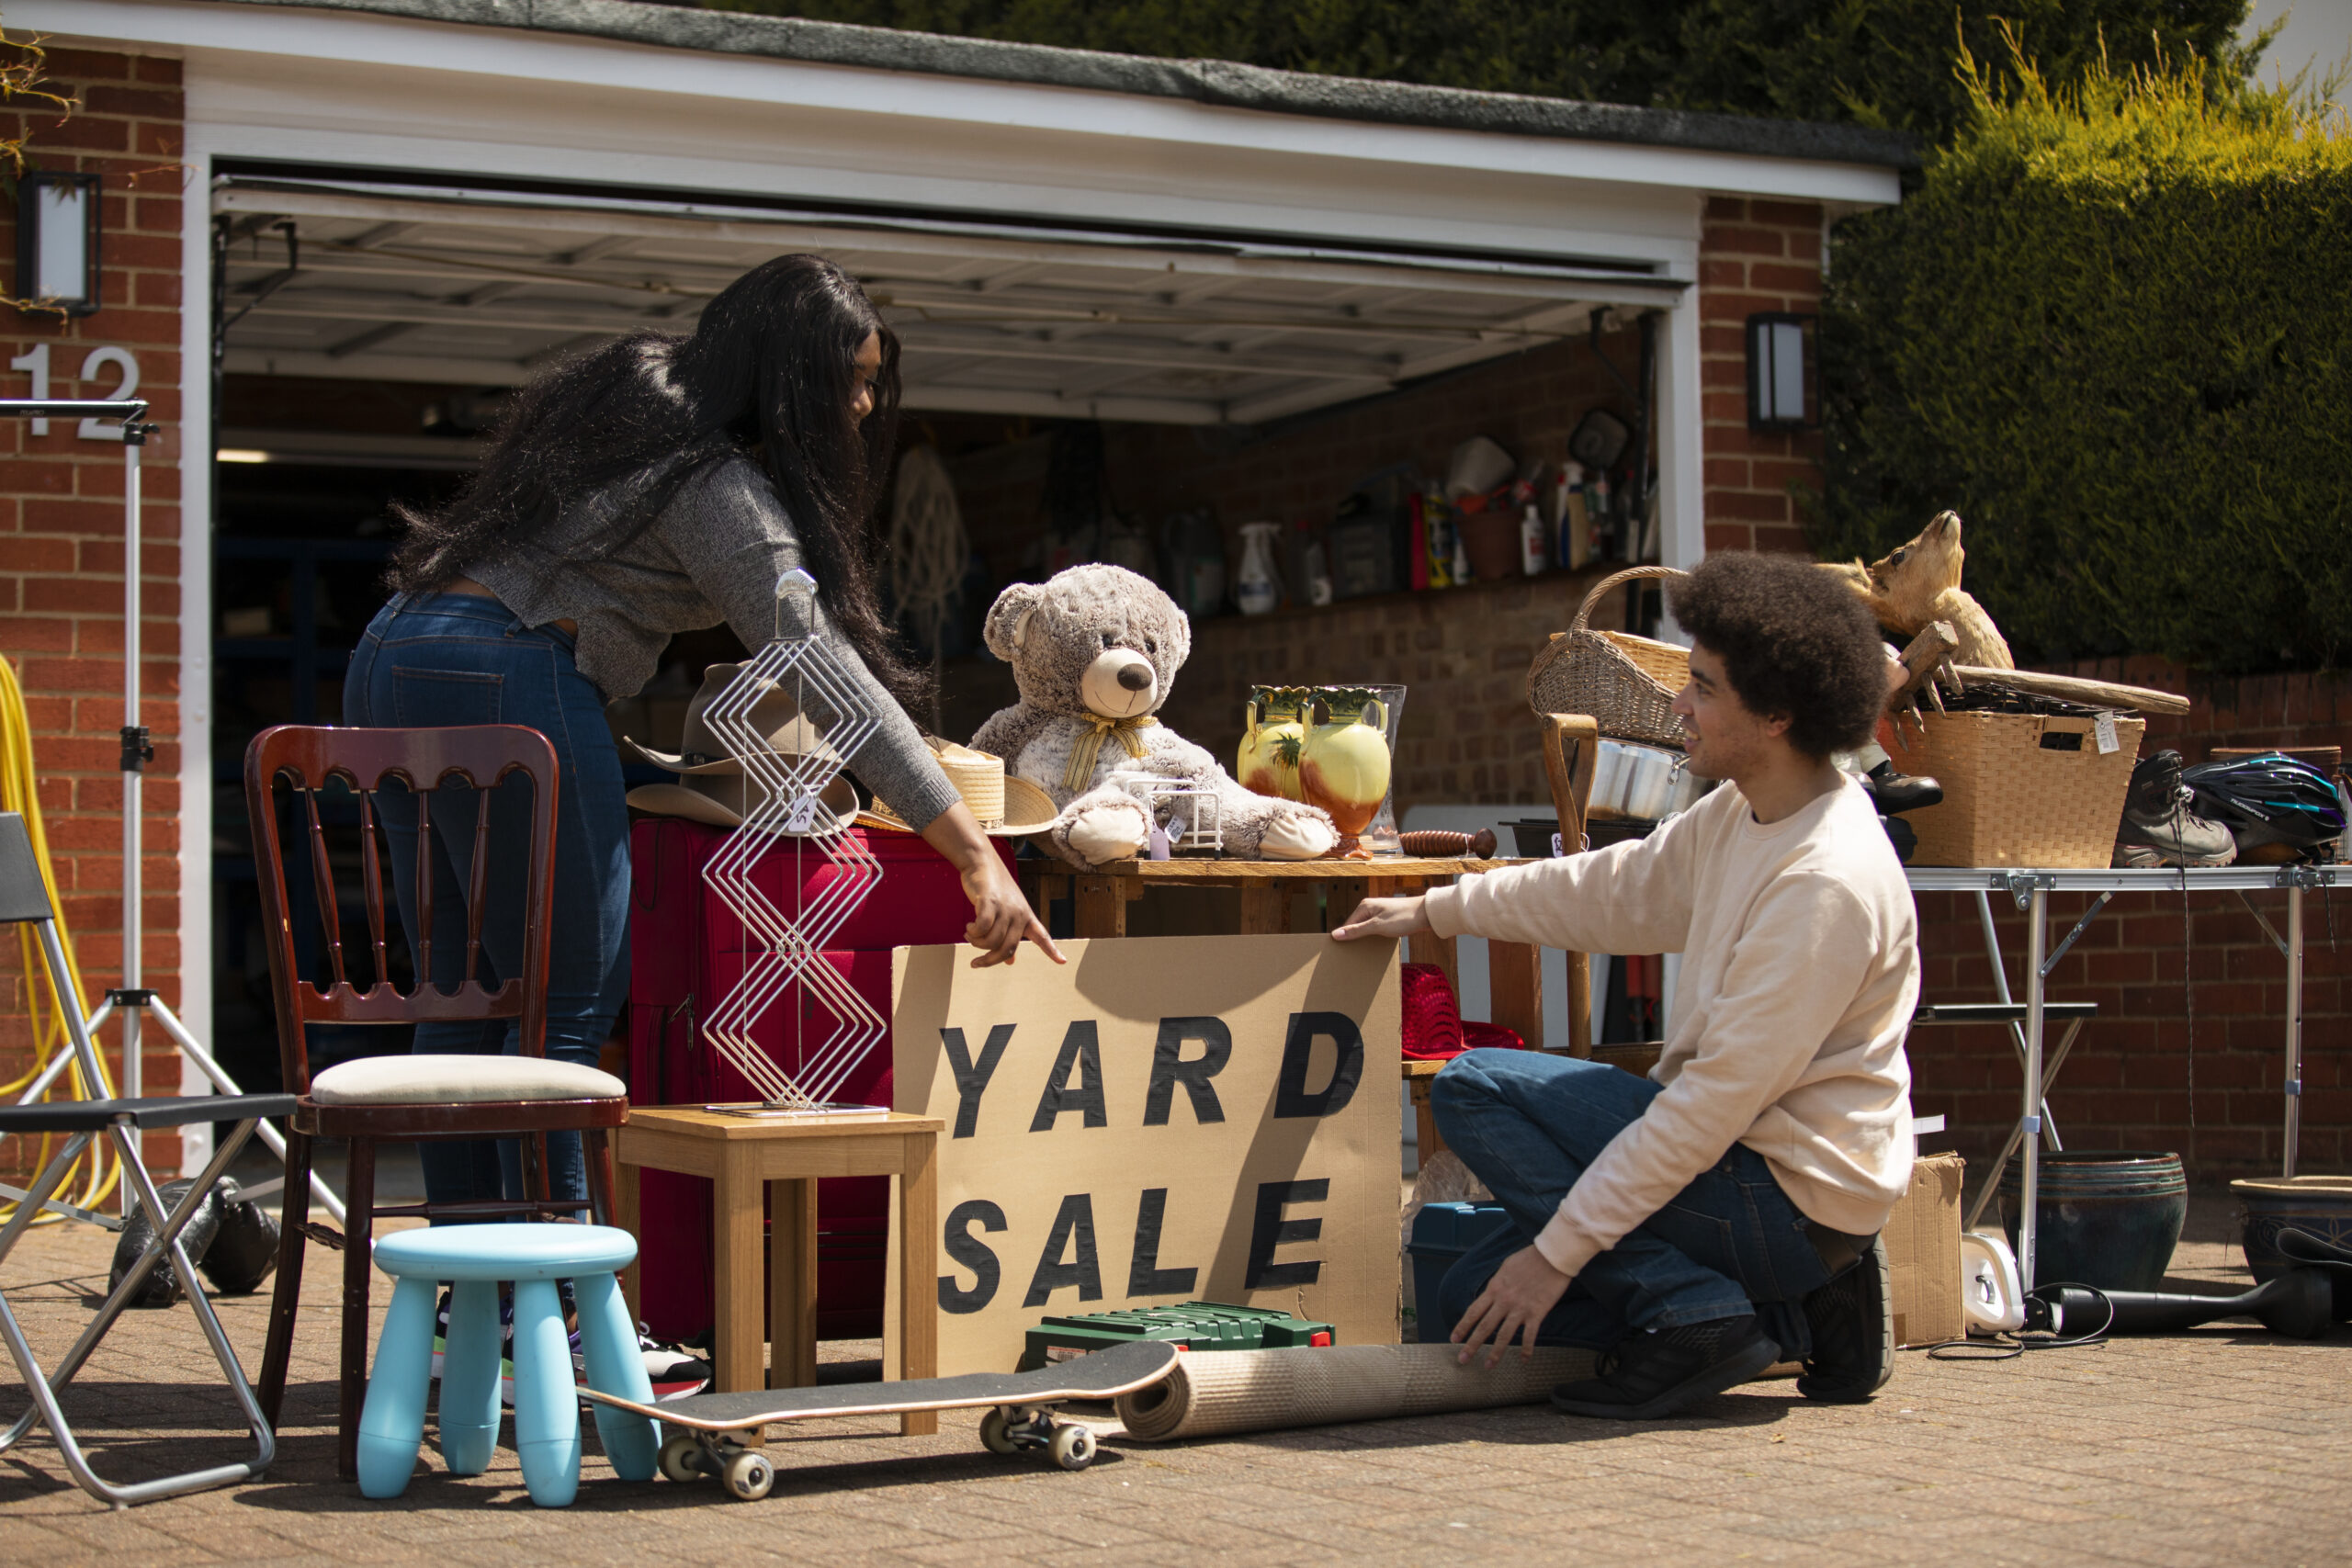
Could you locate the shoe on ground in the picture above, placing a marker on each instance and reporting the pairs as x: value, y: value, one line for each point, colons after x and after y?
x: 1894, y: 793
x: 1852, y: 1320
x: 1655, y: 1374
x: 2158, y: 827
x: 674, y: 1373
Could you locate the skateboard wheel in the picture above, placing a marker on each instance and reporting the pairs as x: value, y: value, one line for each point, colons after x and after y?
x: 747, y: 1475
x: 996, y: 1433
x: 682, y: 1457
x: 1073, y: 1447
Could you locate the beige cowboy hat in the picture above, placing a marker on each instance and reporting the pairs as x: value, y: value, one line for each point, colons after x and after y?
x: 1007, y: 807
x: 774, y: 714
x: 712, y: 786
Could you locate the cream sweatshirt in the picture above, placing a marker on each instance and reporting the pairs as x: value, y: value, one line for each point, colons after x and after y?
x: 1799, y: 973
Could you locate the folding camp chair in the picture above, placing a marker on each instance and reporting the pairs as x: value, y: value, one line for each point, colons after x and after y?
x: 24, y: 898
x: 124, y: 1120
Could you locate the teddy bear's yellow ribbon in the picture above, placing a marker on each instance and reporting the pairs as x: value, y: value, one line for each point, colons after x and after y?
x: 1088, y: 746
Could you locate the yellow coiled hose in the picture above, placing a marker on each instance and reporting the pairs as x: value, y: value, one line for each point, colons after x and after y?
x: 98, y: 1171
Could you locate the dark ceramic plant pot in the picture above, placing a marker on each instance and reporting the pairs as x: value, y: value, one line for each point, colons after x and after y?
x: 2109, y: 1218
x: 2319, y: 1206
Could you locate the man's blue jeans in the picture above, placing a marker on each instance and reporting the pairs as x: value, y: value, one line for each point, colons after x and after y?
x: 433, y: 659
x: 1729, y: 1244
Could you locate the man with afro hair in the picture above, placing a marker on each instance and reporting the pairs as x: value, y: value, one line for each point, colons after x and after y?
x: 1723, y: 1214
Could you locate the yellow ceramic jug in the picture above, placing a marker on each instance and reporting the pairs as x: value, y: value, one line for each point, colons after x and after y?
x: 1343, y: 762
x: 1267, y: 761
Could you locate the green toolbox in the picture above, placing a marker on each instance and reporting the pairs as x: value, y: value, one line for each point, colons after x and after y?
x: 1195, y: 1326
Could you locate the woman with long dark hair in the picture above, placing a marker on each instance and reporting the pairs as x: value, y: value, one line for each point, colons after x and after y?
x: 652, y: 486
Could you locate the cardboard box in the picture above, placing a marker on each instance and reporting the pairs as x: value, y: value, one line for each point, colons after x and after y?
x: 1163, y: 1120
x: 1922, y: 1239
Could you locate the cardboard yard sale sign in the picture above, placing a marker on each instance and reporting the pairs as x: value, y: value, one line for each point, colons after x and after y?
x: 1164, y: 1119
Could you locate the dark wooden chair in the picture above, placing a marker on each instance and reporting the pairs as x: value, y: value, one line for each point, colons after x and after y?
x: 414, y: 1097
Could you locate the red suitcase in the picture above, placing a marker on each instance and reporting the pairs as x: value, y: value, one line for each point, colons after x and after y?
x: 687, y: 951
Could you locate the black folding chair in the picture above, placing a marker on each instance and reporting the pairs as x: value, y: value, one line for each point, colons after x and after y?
x: 24, y: 898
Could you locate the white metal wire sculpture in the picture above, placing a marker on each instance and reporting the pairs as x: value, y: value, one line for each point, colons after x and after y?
x: 782, y: 800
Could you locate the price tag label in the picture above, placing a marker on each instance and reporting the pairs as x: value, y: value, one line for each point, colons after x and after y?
x: 2107, y: 737
x: 802, y: 817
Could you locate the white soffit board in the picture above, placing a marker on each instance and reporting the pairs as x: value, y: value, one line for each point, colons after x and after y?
x: 483, y: 288
x: 884, y: 151
x: 274, y: 37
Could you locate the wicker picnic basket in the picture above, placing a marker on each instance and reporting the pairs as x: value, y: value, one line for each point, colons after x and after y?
x: 1626, y: 684
x: 2019, y: 789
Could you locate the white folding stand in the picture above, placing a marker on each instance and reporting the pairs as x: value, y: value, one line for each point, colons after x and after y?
x: 2031, y: 887
x: 135, y: 1002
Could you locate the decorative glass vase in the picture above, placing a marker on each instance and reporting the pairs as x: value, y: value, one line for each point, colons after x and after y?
x: 1268, y: 759
x: 1346, y: 762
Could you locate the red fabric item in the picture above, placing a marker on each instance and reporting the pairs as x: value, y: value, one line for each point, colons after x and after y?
x: 686, y: 950
x: 1435, y: 1029
x: 1432, y: 1018
x: 1480, y: 1036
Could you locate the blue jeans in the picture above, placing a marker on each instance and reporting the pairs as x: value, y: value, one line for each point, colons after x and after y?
x: 434, y: 659
x: 1729, y: 1244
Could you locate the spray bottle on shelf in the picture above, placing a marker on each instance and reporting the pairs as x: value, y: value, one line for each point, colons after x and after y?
x: 1532, y: 551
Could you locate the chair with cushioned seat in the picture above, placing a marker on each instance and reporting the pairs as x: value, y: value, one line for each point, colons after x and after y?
x: 407, y: 1098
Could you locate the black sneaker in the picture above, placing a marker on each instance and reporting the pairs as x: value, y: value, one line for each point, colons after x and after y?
x: 1654, y: 1374
x: 1852, y: 1319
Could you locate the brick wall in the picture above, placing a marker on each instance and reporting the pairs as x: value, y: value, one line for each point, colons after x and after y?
x: 2188, y: 1051
x: 1528, y: 403
x: 1754, y: 256
x: 62, y: 544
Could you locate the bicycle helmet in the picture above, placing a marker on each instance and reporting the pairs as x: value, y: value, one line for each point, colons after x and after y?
x: 2269, y: 799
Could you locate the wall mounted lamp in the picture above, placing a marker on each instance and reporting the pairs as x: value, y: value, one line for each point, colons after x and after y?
x: 1783, y: 380
x: 57, y: 241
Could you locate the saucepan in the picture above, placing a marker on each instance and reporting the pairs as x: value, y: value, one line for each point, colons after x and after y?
x: 1646, y: 782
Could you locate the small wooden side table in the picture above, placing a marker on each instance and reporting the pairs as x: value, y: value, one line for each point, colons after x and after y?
x: 743, y: 1155
x: 1426, y: 1138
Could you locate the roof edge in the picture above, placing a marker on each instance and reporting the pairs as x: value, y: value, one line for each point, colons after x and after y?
x: 1222, y: 84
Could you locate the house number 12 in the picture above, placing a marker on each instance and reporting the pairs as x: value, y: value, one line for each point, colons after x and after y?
x: 97, y: 363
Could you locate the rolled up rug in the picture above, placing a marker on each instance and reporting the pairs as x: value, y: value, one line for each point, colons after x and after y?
x: 1215, y: 1393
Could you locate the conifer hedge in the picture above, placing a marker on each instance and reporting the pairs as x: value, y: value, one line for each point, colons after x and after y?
x: 2113, y: 330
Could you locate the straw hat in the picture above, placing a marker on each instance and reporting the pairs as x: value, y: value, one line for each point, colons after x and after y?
x: 1007, y: 807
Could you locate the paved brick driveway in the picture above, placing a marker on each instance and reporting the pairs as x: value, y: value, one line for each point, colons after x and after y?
x: 2224, y: 1445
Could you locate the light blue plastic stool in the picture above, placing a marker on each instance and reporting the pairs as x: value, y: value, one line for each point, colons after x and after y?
x: 475, y: 1259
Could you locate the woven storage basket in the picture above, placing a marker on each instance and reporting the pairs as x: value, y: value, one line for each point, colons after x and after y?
x: 2019, y: 789
x: 1626, y: 684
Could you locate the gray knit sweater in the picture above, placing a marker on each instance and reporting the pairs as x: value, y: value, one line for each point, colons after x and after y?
x: 714, y: 554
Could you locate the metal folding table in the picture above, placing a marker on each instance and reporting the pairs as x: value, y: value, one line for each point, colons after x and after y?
x: 2031, y: 887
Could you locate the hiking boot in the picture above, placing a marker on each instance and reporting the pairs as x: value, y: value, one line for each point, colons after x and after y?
x: 1662, y: 1372
x: 2159, y: 828
x: 1852, y: 1319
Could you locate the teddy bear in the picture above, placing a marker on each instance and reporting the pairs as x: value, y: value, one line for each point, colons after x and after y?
x: 1093, y: 651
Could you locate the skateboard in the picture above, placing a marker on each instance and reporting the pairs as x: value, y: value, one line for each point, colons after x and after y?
x: 708, y: 1428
